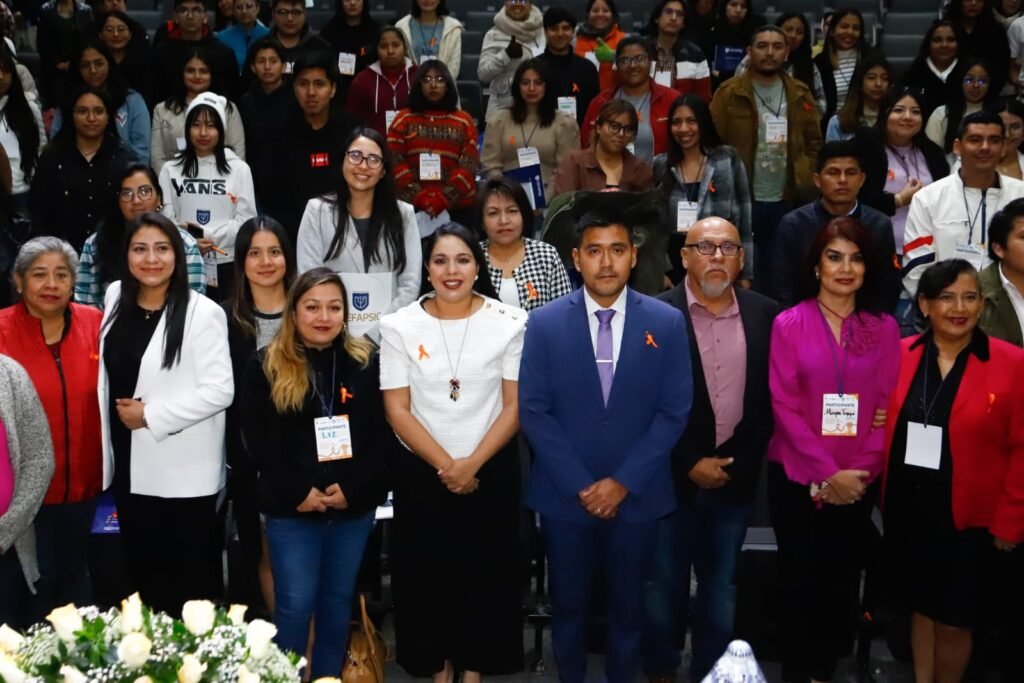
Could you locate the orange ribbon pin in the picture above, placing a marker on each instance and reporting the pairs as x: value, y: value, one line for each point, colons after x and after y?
x: 532, y: 291
x: 346, y: 395
x: 650, y: 341
x: 423, y: 353
x: 575, y: 88
x: 711, y: 187
x: 991, y: 402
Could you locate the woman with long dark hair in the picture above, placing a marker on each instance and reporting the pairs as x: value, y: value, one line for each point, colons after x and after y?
x: 449, y: 373
x: 833, y: 363
x: 434, y: 124
x: 95, y: 66
x: 931, y: 70
x: 22, y: 134
x: 136, y: 191
x: 74, y: 177
x: 976, y: 89
x: 264, y: 272
x: 351, y: 32
x: 165, y: 382
x: 871, y: 81
x: 846, y: 45
x: 735, y: 23
x: 128, y: 42
x: 982, y: 37
x: 209, y: 189
x: 363, y: 232
x: 198, y: 76
x: 380, y: 90
x: 432, y: 32
x: 695, y: 158
x: 531, y: 131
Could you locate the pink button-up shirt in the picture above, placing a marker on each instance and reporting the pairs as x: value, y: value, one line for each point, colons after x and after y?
x: 723, y: 355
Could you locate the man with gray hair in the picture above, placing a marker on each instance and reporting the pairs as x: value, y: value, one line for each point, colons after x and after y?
x: 717, y: 460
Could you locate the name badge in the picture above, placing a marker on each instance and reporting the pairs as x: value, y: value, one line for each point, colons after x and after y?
x: 289, y: 67
x: 528, y: 156
x: 776, y: 132
x: 430, y: 166
x: 924, y: 446
x: 631, y: 147
x: 180, y: 142
x: 686, y: 215
x: 389, y: 118
x: 568, y: 105
x: 663, y: 78
x: 592, y: 58
x: 346, y: 63
x: 210, y: 268
x: 333, y: 438
x: 972, y: 253
x: 839, y: 414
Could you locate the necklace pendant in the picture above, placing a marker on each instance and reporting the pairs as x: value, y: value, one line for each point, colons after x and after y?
x: 454, y: 385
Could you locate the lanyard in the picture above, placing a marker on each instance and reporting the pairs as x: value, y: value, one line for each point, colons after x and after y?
x: 924, y: 394
x: 428, y: 46
x: 840, y: 373
x: 902, y: 160
x: 328, y: 407
x: 982, y: 210
x: 530, y: 137
x: 777, y: 113
x: 696, y: 181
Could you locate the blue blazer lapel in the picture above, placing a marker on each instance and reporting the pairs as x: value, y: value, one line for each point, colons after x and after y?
x: 632, y: 344
x: 586, y: 361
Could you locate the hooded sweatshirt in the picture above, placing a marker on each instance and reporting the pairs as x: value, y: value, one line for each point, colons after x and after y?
x: 496, y: 67
x: 376, y: 91
x: 218, y: 203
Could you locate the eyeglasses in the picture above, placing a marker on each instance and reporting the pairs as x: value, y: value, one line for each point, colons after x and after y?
x: 971, y: 80
x: 293, y: 13
x: 616, y: 128
x: 355, y: 157
x: 190, y: 11
x: 705, y: 248
x: 435, y: 80
x: 967, y: 298
x: 116, y: 29
x: 143, y: 193
x: 637, y: 60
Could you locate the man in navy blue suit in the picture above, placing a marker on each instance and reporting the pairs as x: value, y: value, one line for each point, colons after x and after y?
x: 605, y: 389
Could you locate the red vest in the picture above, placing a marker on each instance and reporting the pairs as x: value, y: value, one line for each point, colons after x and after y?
x: 68, y: 393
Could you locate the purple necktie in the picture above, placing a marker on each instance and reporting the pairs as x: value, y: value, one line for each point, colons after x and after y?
x: 605, y: 361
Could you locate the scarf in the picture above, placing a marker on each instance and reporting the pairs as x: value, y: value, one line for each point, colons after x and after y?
x: 525, y: 31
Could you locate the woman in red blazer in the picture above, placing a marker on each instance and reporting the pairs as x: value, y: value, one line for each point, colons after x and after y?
x: 954, y: 481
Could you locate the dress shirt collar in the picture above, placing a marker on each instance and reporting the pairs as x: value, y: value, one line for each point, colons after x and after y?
x: 692, y: 303
x: 943, y: 75
x: 619, y: 305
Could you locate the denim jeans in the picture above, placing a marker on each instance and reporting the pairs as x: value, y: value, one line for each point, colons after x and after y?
x: 62, y: 543
x: 316, y: 563
x: 707, y: 535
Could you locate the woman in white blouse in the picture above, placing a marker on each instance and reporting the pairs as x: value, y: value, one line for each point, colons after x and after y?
x: 449, y: 371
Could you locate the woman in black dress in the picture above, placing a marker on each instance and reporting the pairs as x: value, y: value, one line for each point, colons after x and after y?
x: 954, y: 488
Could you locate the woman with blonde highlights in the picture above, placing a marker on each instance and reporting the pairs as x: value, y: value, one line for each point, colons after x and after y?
x: 313, y: 421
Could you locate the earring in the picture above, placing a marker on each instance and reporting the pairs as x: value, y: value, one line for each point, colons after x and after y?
x: 817, y: 275
x: 475, y: 278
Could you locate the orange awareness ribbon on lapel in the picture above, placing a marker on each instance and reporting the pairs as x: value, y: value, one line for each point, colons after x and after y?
x: 423, y: 353
x: 650, y: 341
x: 346, y: 395
x: 532, y: 291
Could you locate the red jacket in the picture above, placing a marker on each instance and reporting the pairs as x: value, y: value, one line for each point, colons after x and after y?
x: 661, y: 102
x: 68, y: 392
x: 986, y: 437
x: 371, y: 95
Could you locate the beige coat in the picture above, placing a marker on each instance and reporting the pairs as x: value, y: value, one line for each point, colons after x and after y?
x: 504, y: 136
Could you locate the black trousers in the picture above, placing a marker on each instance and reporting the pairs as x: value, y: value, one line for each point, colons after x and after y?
x: 14, y: 593
x: 172, y: 547
x: 821, y: 554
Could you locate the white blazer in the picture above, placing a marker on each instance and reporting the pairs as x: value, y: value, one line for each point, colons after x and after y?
x: 181, y: 453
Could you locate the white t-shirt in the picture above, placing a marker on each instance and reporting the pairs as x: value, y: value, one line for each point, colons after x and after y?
x: 509, y: 292
x: 479, y: 351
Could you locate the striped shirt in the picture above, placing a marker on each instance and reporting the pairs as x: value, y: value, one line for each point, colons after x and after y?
x: 89, y: 290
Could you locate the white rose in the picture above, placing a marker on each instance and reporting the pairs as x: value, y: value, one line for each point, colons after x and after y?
x: 258, y: 635
x: 131, y: 614
x: 72, y: 675
x: 143, y: 679
x: 191, y: 670
x: 66, y: 621
x: 198, y: 616
x: 134, y: 650
x: 10, y: 640
x: 9, y: 670
x: 237, y: 614
x: 246, y: 676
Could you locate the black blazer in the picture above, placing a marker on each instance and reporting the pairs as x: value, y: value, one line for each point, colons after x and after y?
x: 876, y: 167
x: 750, y: 440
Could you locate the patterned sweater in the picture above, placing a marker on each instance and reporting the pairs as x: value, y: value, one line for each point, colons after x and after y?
x: 450, y: 135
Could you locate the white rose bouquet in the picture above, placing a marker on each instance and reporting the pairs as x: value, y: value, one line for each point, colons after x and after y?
x: 136, y: 645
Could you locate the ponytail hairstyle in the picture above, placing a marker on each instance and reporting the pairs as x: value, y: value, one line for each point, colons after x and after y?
x: 285, y: 363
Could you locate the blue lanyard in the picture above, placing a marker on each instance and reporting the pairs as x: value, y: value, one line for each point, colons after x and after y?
x: 840, y: 373
x: 982, y: 209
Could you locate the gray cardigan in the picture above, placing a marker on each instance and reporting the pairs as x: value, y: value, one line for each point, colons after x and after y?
x: 31, y: 453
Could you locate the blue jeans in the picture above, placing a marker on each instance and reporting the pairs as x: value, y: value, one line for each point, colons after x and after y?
x: 315, y: 564
x: 62, y: 544
x: 707, y: 535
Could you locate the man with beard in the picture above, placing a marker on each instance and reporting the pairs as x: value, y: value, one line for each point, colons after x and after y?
x: 772, y: 121
x: 717, y: 460
x: 839, y: 178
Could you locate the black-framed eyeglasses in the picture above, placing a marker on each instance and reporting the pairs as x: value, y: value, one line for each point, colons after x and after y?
x: 616, y: 128
x: 355, y: 157
x: 144, y: 192
x: 293, y: 13
x: 636, y: 60
x: 705, y: 248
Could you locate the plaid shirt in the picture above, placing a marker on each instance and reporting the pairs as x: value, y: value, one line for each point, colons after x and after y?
x: 89, y: 290
x: 540, y: 278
